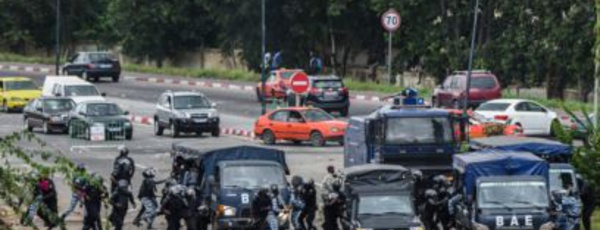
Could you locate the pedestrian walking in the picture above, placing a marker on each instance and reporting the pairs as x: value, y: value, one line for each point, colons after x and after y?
x: 315, y: 65
x: 45, y: 202
x: 123, y: 168
x: 310, y: 204
x: 147, y: 196
x: 120, y: 199
x: 277, y: 60
x: 78, y: 184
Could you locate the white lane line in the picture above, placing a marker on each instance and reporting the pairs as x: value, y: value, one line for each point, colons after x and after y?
x: 45, y: 70
x: 13, y: 67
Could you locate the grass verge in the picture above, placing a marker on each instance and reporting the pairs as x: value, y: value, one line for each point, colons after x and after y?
x: 596, y: 219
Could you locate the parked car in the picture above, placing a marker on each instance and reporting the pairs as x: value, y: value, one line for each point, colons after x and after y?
x: 49, y: 113
x: 93, y: 66
x: 186, y: 112
x: 108, y: 115
x: 71, y: 87
x: 299, y: 124
x: 480, y: 126
x: 277, y: 84
x: 484, y: 87
x: 328, y: 93
x: 578, y: 130
x: 16, y: 92
x: 532, y: 117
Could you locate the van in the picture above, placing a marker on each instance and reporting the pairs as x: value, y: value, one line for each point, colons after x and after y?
x: 72, y: 87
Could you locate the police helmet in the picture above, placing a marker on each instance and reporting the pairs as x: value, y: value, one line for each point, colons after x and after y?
x: 190, y: 192
x: 559, y: 194
x: 123, y: 151
x: 297, y: 181
x: 311, y: 182
x: 149, y: 172
x: 430, y: 193
x: 177, y: 189
x: 263, y: 191
x: 97, y: 177
x: 275, y: 189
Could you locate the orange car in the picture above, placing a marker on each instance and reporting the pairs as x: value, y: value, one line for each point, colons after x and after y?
x: 479, y: 127
x: 276, y: 85
x: 299, y: 124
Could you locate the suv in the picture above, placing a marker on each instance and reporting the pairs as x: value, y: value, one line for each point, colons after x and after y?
x: 484, y: 87
x: 186, y: 112
x: 93, y: 65
x: 329, y: 94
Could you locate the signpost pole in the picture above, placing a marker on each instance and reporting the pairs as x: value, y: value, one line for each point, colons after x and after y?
x: 297, y: 100
x: 263, y: 78
x: 57, y: 38
x: 390, y: 57
x: 464, y: 122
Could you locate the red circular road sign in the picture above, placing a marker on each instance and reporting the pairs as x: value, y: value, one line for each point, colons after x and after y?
x: 390, y: 20
x: 299, y: 82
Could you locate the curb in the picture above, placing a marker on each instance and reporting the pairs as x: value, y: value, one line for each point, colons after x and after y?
x: 171, y: 81
x: 208, y: 84
x: 145, y: 120
x: 24, y: 68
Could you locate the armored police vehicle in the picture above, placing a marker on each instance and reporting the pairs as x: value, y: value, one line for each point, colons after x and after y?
x: 380, y: 197
x: 411, y: 134
x: 231, y: 177
x: 502, y: 190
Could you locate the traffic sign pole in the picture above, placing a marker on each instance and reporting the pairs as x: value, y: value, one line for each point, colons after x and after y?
x: 390, y: 20
x: 390, y: 57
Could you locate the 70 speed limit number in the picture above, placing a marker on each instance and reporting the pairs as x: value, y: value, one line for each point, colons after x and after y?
x: 390, y: 20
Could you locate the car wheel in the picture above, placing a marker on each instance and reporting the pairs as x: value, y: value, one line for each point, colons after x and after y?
x: 27, y: 126
x: 268, y: 137
x: 128, y: 136
x: 96, y: 79
x: 341, y: 142
x: 174, y: 130
x: 158, y: 130
x: 316, y: 138
x: 71, y: 131
x: 199, y: 133
x: 65, y: 72
x: 45, y: 128
x: 216, y: 132
x: 88, y: 134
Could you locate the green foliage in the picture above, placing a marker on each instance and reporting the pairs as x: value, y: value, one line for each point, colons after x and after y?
x: 17, y: 181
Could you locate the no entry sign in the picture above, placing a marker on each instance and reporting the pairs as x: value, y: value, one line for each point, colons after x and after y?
x: 300, y: 83
x: 390, y: 20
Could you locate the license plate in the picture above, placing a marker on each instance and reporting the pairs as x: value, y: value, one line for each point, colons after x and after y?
x: 106, y: 66
x: 331, y: 94
x: 200, y: 120
x: 114, y: 129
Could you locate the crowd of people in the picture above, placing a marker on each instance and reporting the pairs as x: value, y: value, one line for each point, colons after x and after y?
x: 182, y: 200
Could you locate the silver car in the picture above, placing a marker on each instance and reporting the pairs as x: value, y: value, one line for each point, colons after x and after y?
x: 186, y: 112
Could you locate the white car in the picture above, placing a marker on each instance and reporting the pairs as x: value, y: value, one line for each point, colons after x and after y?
x: 534, y: 118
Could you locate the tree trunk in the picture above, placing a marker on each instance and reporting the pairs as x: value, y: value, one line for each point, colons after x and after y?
x: 333, y: 55
x: 345, y: 54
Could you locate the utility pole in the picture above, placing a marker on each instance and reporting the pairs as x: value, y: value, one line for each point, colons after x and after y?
x: 57, y: 46
x: 464, y: 121
x: 263, y: 78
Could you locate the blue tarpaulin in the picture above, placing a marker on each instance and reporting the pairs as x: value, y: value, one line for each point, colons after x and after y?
x: 212, y: 158
x: 552, y: 151
x: 497, y: 163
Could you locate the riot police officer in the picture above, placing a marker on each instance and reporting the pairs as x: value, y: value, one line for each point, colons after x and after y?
x: 95, y: 192
x: 310, y: 204
x: 174, y: 207
x: 276, y: 208
x: 147, y: 196
x: 78, y: 184
x: 261, y: 206
x: 123, y: 168
x: 430, y: 209
x: 334, y: 206
x: 120, y: 199
x: 442, y: 186
x: 297, y: 202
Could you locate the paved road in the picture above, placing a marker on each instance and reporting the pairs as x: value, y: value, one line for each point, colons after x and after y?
x: 148, y: 150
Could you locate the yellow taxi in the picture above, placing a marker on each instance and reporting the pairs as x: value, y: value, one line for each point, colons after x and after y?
x: 16, y: 92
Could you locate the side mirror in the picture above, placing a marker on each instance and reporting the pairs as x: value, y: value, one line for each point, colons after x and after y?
x: 103, y: 94
x: 126, y: 113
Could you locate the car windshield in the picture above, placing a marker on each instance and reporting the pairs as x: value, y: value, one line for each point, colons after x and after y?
x: 326, y: 84
x: 252, y: 176
x: 421, y: 130
x: 288, y: 74
x: 513, y: 194
x: 493, y: 106
x: 103, y: 109
x: 316, y: 115
x: 19, y: 85
x: 81, y: 90
x: 483, y: 83
x: 191, y: 102
x: 385, y: 204
x: 100, y: 56
x: 562, y: 179
x: 58, y: 105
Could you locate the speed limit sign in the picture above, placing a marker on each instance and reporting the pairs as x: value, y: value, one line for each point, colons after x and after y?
x: 390, y: 20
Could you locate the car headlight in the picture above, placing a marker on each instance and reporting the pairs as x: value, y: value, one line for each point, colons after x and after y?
x: 416, y: 228
x: 183, y: 115
x: 334, y: 129
x: 213, y: 114
x: 127, y: 124
x: 225, y: 210
x: 16, y: 99
x: 55, y: 118
x: 98, y: 124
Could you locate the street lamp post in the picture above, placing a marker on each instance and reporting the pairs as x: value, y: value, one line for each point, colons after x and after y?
x: 263, y: 79
x: 57, y: 46
x: 465, y: 116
